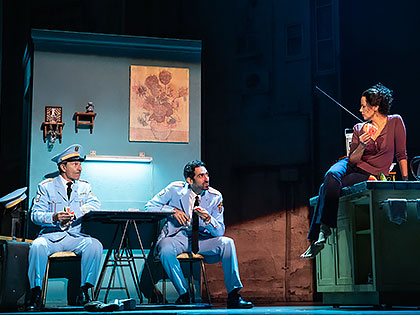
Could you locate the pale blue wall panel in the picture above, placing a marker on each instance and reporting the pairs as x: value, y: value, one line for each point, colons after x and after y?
x: 71, y: 80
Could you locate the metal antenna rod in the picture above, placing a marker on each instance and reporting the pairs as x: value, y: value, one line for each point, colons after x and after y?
x: 316, y: 86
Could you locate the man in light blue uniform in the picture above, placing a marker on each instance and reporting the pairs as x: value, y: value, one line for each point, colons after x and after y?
x: 59, y: 206
x: 175, y: 237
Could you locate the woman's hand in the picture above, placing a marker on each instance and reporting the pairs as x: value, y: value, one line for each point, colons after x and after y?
x: 364, y: 138
x: 357, y: 154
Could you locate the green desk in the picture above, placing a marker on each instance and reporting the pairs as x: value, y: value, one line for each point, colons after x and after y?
x: 369, y: 260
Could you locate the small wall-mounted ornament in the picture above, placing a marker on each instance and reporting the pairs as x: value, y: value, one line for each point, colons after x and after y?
x: 89, y: 107
x: 52, y: 127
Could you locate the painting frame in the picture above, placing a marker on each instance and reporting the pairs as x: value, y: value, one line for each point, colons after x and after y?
x: 54, y: 114
x: 159, y: 104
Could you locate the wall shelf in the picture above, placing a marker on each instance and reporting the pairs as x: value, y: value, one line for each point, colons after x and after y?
x: 84, y: 119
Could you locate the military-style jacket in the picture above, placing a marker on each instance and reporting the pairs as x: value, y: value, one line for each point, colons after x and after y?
x: 176, y: 196
x: 52, y: 197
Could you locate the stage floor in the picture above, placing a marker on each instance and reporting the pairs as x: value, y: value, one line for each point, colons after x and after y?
x: 292, y: 310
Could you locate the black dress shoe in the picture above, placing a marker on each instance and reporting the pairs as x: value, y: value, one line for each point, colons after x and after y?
x: 183, y: 299
x: 235, y: 301
x: 83, y: 296
x: 35, y: 302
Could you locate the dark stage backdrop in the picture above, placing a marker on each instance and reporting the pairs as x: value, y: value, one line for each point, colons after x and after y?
x: 379, y: 44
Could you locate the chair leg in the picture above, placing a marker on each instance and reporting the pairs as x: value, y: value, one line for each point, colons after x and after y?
x: 45, y: 285
x: 191, y: 282
x: 164, y: 289
x: 203, y: 270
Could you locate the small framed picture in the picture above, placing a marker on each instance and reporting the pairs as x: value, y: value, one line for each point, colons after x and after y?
x: 53, y: 114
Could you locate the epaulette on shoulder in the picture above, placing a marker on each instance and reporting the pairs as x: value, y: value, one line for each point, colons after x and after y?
x: 178, y: 183
x: 214, y: 191
x: 46, y: 181
x: 83, y: 181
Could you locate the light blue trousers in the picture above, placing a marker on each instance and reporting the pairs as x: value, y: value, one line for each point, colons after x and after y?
x: 215, y: 249
x: 89, y: 248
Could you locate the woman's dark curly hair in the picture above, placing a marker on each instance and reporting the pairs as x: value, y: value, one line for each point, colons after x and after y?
x: 379, y: 95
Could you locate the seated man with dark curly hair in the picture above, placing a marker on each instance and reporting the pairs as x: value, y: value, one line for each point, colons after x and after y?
x: 188, y: 199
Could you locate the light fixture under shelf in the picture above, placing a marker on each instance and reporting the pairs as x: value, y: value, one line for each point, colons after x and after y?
x: 117, y: 158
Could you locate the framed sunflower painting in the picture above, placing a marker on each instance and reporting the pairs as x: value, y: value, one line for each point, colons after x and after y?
x: 159, y: 104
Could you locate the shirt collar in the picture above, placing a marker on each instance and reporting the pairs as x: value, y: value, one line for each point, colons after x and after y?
x: 192, y: 193
x: 64, y: 181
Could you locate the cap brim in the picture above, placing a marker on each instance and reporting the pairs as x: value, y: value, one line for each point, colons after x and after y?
x: 74, y: 159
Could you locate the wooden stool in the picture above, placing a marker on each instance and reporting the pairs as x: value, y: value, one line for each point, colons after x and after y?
x: 55, y: 257
x: 191, y: 258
